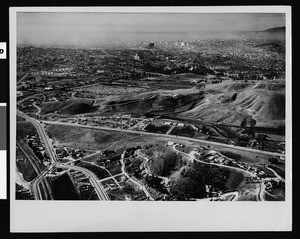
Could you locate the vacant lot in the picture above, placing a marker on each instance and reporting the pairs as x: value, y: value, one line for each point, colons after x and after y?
x: 96, y: 139
x: 83, y: 138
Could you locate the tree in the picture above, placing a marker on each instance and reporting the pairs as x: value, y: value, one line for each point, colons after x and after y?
x: 243, y: 123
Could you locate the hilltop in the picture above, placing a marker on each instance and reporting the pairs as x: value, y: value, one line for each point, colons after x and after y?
x: 275, y: 29
x: 228, y: 102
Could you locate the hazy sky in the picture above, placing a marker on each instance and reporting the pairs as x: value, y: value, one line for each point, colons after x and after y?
x: 39, y: 28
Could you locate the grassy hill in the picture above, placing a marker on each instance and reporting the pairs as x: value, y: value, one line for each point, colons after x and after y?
x: 69, y: 107
x: 157, y: 101
x: 227, y: 102
x: 275, y: 29
x: 230, y: 102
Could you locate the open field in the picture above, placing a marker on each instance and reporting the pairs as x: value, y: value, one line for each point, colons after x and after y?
x: 96, y: 139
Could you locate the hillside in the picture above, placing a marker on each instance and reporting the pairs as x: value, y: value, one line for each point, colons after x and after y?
x: 69, y: 107
x: 275, y: 29
x: 227, y: 102
x: 230, y: 102
x: 157, y: 101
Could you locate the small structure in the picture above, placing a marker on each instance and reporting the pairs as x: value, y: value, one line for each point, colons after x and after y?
x: 170, y: 143
x: 136, y: 57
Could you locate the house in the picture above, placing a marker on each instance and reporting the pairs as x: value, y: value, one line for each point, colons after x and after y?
x: 180, y: 124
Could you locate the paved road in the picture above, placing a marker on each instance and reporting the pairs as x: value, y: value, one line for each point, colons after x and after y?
x: 35, y: 189
x: 48, y: 148
x: 142, y: 187
x: 54, y: 162
x: 36, y: 167
x: 37, y: 107
x: 170, y: 130
x: 42, y: 134
x: 167, y: 136
x: 260, y: 194
x: 276, y: 174
x: 234, y: 194
x: 23, y: 78
x: 146, y: 167
x: 93, y: 179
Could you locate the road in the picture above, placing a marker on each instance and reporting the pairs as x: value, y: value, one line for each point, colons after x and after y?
x: 260, y: 194
x: 234, y: 194
x: 38, y: 108
x: 142, y: 187
x: 146, y: 160
x: 23, y: 78
x: 93, y: 179
x: 42, y: 135
x: 170, y: 130
x: 35, y: 189
x: 276, y: 174
x: 37, y: 168
x: 54, y: 162
x: 35, y: 185
x: 98, y: 188
x: 167, y: 136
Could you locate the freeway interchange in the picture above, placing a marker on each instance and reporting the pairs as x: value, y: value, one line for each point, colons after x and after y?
x: 35, y: 184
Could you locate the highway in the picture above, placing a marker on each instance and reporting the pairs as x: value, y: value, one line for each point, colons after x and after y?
x: 168, y: 136
x: 92, y: 177
x: 36, y: 167
x: 35, y: 184
x: 35, y: 189
x: 42, y: 134
x: 54, y: 163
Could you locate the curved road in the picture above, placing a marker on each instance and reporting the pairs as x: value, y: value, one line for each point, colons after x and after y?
x: 54, y: 162
x: 260, y: 195
x: 93, y: 179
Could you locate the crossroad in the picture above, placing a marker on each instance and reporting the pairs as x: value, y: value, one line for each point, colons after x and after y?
x: 92, y: 177
x: 168, y: 136
x: 55, y: 163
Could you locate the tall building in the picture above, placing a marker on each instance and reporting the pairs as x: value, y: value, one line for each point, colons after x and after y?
x: 136, y: 57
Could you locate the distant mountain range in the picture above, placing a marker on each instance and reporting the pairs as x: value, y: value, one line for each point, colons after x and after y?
x: 275, y: 29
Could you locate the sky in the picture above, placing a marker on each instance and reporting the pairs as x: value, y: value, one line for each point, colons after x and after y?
x: 72, y: 28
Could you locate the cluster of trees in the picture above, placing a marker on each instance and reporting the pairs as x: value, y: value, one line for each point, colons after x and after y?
x: 157, y: 129
x: 193, y: 179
